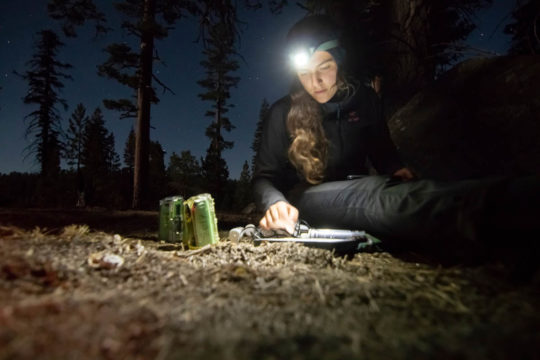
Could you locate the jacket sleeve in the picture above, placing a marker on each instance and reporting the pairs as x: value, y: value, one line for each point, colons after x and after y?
x: 381, y: 150
x: 271, y: 160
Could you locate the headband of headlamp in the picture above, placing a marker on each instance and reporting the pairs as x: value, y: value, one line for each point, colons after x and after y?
x: 311, y: 34
x: 300, y: 57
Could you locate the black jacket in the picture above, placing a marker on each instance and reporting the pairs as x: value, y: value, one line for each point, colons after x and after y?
x: 355, y: 129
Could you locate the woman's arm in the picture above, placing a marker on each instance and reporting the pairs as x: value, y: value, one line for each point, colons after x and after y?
x: 271, y: 171
x: 271, y: 161
x: 266, y: 193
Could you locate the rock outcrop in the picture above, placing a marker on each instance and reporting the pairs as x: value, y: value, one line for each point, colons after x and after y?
x: 481, y: 118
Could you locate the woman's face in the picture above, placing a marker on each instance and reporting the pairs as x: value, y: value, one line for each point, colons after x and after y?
x: 319, y: 76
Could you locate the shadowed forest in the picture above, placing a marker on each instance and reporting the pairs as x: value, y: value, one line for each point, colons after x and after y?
x: 406, y: 45
x: 83, y: 274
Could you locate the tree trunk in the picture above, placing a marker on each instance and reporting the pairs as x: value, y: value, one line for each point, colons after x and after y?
x: 408, y: 50
x: 218, y: 127
x: 45, y: 146
x: 144, y: 97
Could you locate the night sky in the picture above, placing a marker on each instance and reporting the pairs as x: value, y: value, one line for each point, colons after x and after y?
x: 178, y: 120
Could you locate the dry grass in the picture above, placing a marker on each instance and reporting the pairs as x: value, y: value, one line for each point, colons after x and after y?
x: 63, y: 295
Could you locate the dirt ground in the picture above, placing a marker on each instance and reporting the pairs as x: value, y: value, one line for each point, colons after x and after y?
x: 98, y: 285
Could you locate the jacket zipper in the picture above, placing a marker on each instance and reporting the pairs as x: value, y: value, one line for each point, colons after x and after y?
x: 340, y: 130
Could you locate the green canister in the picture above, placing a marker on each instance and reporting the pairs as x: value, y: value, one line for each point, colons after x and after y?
x: 170, y: 219
x: 204, y: 220
x: 188, y: 236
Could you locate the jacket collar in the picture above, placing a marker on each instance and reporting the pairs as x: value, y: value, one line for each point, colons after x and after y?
x: 343, y: 101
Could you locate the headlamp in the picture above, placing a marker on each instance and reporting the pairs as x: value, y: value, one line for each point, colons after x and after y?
x: 300, y: 57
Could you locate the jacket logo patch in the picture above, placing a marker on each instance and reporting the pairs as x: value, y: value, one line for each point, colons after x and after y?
x: 353, y: 117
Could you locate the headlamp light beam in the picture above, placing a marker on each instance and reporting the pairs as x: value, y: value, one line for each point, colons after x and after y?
x: 301, y: 57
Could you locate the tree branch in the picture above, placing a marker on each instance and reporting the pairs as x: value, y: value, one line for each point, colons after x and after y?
x: 165, y: 87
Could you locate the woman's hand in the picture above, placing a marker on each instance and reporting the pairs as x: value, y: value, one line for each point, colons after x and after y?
x: 281, y: 215
x: 404, y: 174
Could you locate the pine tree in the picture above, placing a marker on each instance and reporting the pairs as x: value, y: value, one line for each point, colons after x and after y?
x: 219, y: 65
x: 45, y: 82
x: 216, y: 173
x: 185, y: 174
x: 112, y: 160
x: 99, y: 159
x: 148, y: 20
x: 256, y: 144
x: 157, y: 172
x: 95, y: 146
x: 156, y: 164
x: 129, y: 164
x: 242, y: 195
x: 122, y: 65
x: 129, y: 151
x: 75, y: 13
x: 75, y: 137
x: 157, y: 155
x: 74, y: 146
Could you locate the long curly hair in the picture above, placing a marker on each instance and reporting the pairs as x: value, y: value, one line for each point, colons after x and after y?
x: 309, y: 147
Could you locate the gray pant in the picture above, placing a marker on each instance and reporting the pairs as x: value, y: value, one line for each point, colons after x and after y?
x: 424, y: 213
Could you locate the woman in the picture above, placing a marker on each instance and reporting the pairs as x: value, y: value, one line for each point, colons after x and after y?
x: 312, y: 160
